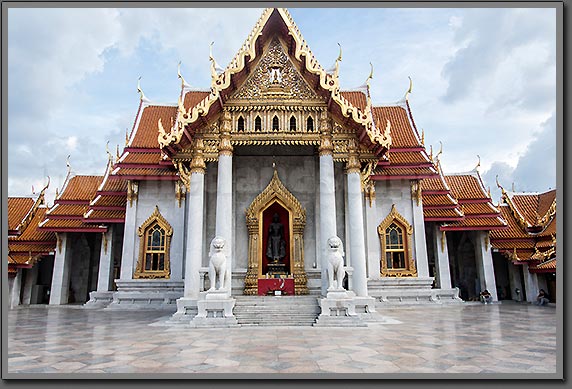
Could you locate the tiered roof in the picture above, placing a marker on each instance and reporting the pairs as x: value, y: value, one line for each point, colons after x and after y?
x: 531, y: 236
x: 67, y: 213
x: 407, y: 157
x: 439, y: 203
x: 475, y: 202
x: 27, y: 244
x: 110, y: 200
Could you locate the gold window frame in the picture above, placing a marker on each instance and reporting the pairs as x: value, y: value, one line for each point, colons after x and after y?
x: 410, y: 270
x: 155, y: 219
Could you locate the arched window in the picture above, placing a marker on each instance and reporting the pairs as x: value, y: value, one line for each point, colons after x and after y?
x: 258, y: 124
x: 292, y: 123
x: 395, y: 237
x: 240, y: 124
x: 310, y: 124
x: 394, y: 247
x: 154, y: 246
x: 275, y: 123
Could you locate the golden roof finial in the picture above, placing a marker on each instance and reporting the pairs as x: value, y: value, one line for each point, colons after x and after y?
x: 68, y: 163
x: 431, y: 152
x: 337, y: 62
x: 410, y: 88
x: 423, y: 137
x: 339, y: 59
x: 498, y: 184
x: 126, y: 136
x: 370, y: 76
x: 57, y: 193
x: 478, y: 163
x: 512, y: 187
x: 140, y: 91
x: 109, y: 156
x: 215, y: 68
x: 489, y: 192
x: 117, y: 153
x: 440, y: 150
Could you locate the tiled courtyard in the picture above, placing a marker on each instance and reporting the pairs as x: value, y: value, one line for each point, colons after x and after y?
x: 472, y: 338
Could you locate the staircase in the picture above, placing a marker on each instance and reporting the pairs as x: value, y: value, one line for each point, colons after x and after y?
x: 276, y: 310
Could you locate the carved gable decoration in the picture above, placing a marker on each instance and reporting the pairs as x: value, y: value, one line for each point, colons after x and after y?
x: 275, y: 77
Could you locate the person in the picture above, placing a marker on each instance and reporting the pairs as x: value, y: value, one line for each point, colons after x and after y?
x: 542, y: 298
x: 486, y: 297
x: 276, y: 247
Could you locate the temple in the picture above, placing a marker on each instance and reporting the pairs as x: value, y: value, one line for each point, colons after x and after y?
x: 238, y: 191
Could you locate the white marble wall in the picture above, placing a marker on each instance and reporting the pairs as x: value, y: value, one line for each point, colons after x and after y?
x: 104, y: 276
x: 484, y: 261
x: 15, y: 288
x: 29, y: 282
x: 151, y: 194
x: 530, y: 284
x: 61, y: 274
x: 396, y: 192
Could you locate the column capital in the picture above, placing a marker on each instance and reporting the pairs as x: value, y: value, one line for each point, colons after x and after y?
x: 198, y: 162
x: 326, y: 145
x: 225, y: 147
x: 353, y: 164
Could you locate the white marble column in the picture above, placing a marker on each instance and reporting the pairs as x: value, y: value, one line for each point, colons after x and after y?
x: 61, y: 274
x: 485, y: 263
x: 372, y: 238
x: 441, y: 258
x: 16, y: 287
x: 514, y: 281
x: 327, y: 196
x: 31, y: 277
x: 356, y: 230
x: 223, y: 226
x: 530, y: 284
x: 194, y: 249
x: 130, y: 238
x: 105, y: 273
x: 422, y: 263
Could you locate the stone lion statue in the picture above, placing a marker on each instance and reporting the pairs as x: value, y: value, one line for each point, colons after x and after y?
x: 218, y: 264
x: 335, y: 256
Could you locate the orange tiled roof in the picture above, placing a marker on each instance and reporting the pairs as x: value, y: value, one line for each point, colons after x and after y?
x: 110, y: 201
x: 513, y: 231
x: 145, y: 172
x: 142, y: 158
x: 449, y: 213
x: 405, y: 171
x: 479, y: 209
x: 192, y: 98
x: 114, y: 186
x: 356, y: 98
x: 31, y: 233
x: 18, y: 208
x: 476, y: 223
x: 67, y: 210
x: 402, y: 133
x: 409, y: 158
x: 147, y: 130
x: 81, y: 188
x: 98, y: 214
x: 548, y: 265
x: 438, y: 200
x: 466, y: 186
x: 67, y: 223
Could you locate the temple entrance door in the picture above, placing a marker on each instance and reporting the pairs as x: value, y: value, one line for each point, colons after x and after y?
x: 275, y: 220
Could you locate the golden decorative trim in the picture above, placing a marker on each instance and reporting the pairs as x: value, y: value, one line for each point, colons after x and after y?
x: 140, y: 271
x: 104, y: 240
x: 274, y: 192
x: 132, y: 191
x: 225, y: 147
x: 353, y: 164
x: 326, y: 145
x: 443, y: 236
x: 198, y: 162
x: 221, y: 81
x: 179, y: 191
x: 184, y: 173
x: 416, y: 191
x: 410, y: 269
x: 59, y: 242
x: 487, y: 240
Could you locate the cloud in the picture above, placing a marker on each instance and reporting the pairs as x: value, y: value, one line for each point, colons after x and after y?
x: 535, y: 170
x: 505, y: 57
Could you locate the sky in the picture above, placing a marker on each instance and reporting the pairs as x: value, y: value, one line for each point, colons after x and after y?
x: 484, y: 80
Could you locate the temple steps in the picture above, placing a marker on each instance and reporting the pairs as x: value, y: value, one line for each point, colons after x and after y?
x: 276, y: 310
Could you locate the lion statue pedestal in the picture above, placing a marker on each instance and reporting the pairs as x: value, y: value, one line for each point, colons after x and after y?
x: 339, y: 306
x: 215, y: 305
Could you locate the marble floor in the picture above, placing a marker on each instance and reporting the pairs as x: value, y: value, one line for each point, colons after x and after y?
x: 473, y: 338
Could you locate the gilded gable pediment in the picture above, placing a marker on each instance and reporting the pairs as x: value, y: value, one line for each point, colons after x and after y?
x: 275, y: 79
